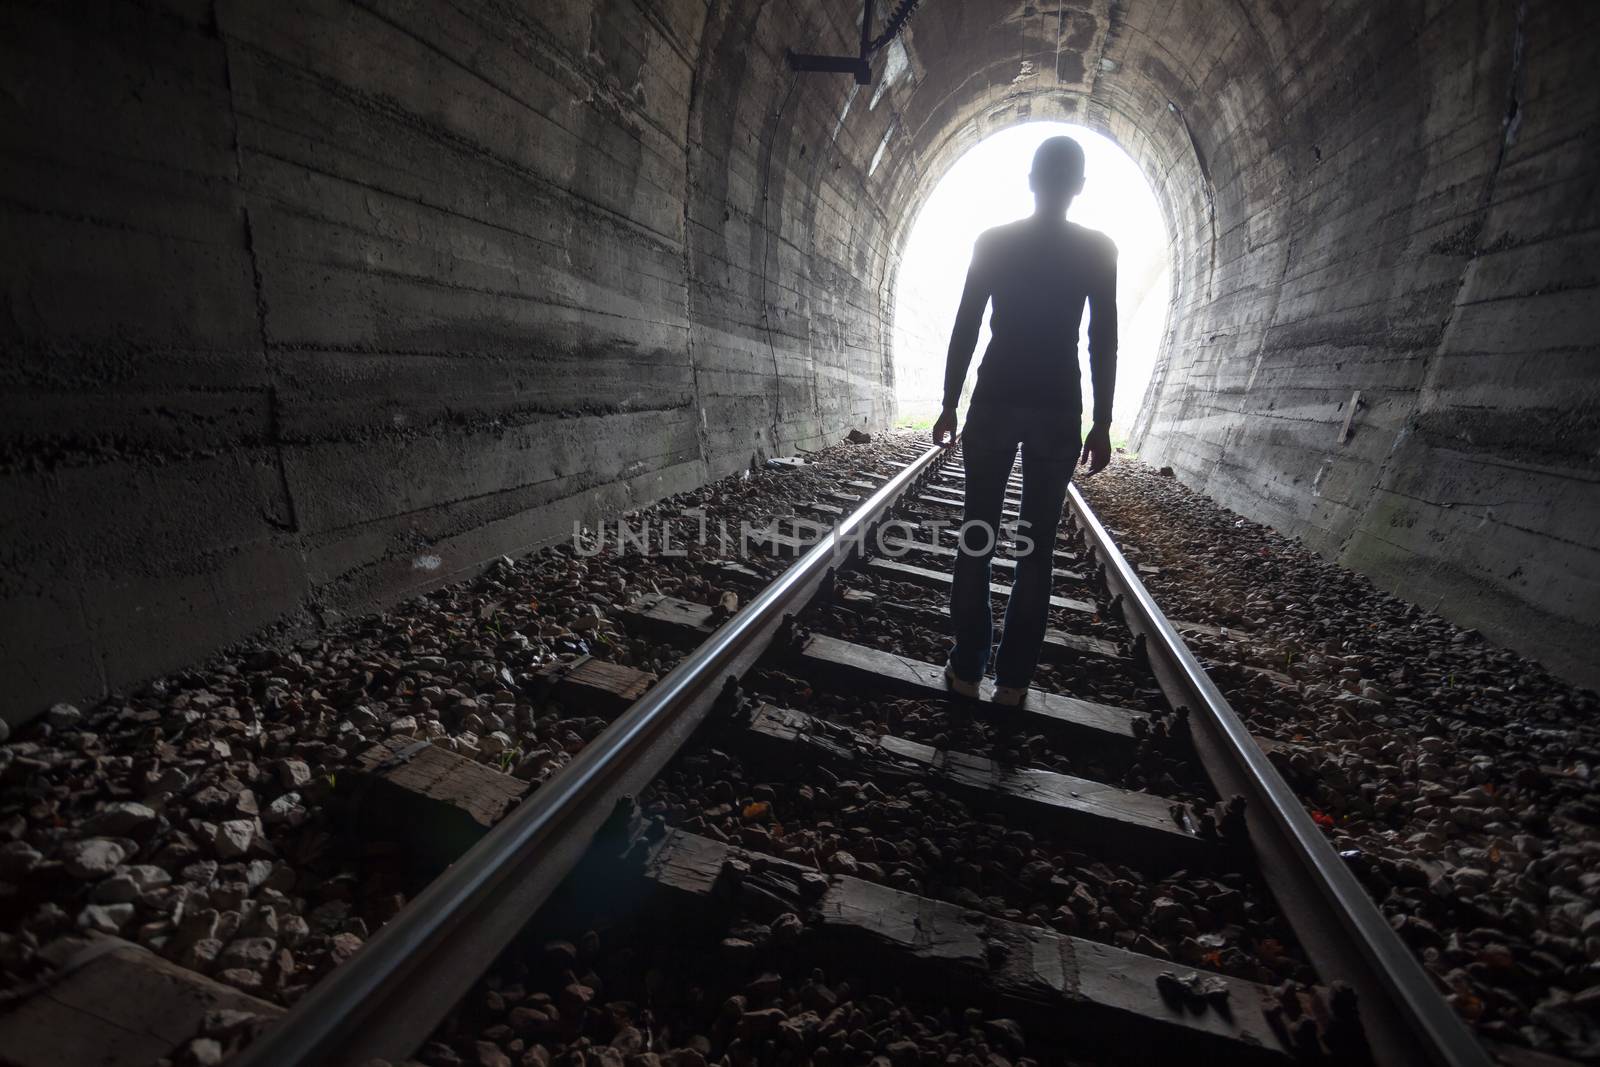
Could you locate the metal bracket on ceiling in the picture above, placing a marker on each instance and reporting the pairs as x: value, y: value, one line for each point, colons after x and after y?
x: 803, y: 61
x: 859, y: 65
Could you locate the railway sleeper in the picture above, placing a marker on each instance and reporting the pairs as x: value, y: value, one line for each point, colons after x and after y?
x: 795, y: 545
x: 437, y: 801
x: 932, y: 579
x: 1059, y: 645
x: 808, y: 532
x: 596, y: 685
x: 817, y: 507
x: 951, y: 530
x: 1100, y: 727
x: 913, y: 511
x: 955, y: 495
x: 1013, y: 499
x: 1071, y: 720
x: 406, y: 788
x: 1008, y: 511
x: 1059, y: 986
x: 117, y: 1004
x: 1005, y: 563
x: 1136, y: 827
x: 953, y: 484
x: 685, y: 622
x: 952, y: 467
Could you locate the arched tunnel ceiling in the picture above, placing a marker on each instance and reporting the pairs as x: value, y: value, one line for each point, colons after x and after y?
x: 317, y: 304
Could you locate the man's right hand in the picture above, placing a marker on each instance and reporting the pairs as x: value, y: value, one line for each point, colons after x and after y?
x: 944, y: 429
x: 1097, y: 449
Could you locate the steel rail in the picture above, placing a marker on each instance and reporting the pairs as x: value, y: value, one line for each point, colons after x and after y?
x: 385, y: 1001
x: 1405, y: 1018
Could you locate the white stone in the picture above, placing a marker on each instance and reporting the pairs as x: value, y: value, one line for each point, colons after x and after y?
x: 234, y: 838
x: 147, y: 876
x: 93, y: 857
x: 293, y: 929
x: 257, y: 872
x: 248, y: 952
x: 287, y: 809
x: 118, y: 889
x: 201, y: 955
x: 105, y: 918
x: 120, y: 817
x: 63, y: 716
x: 294, y: 773
x: 205, y: 1052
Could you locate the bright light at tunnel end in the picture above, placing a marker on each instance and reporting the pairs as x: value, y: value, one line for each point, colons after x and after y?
x: 988, y: 186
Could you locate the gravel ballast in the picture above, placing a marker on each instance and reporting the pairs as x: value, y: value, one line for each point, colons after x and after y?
x: 1454, y: 776
x: 197, y: 815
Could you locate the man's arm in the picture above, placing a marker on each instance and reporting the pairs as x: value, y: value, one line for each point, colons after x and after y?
x: 963, y: 339
x: 1102, y: 358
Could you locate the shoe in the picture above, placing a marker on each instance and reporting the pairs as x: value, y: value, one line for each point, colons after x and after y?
x: 1010, y: 696
x: 959, y: 686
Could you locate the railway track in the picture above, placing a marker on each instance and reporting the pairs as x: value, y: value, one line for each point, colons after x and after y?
x: 1169, y: 791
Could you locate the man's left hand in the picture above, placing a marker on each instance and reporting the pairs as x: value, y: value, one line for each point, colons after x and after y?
x: 1097, y: 449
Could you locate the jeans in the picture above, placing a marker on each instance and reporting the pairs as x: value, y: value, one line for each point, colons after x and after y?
x: 1050, y: 443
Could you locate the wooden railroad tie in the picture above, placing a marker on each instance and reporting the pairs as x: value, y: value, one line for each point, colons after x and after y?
x: 951, y: 532
x: 1004, y: 563
x: 1053, y: 984
x: 925, y: 576
x: 1074, y: 721
x: 117, y: 1004
x: 1133, y: 825
x: 1081, y: 722
x: 1058, y: 644
x: 440, y: 802
x: 596, y: 685
x: 437, y: 801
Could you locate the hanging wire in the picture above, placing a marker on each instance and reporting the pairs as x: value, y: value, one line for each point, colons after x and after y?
x: 897, y: 21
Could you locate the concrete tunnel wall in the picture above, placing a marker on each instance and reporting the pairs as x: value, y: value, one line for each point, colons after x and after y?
x: 1417, y: 223
x: 313, y: 305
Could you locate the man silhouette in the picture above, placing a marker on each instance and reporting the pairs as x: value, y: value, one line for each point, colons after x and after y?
x: 1039, y: 272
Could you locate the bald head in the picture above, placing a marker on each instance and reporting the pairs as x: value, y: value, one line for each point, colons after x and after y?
x: 1057, y: 174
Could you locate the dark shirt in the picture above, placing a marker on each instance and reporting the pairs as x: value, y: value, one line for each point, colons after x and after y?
x: 1039, y: 272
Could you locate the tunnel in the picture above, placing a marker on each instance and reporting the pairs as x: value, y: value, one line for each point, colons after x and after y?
x: 363, y: 360
x: 314, y: 306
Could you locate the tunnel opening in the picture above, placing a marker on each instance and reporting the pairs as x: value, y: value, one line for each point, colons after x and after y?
x: 987, y: 186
